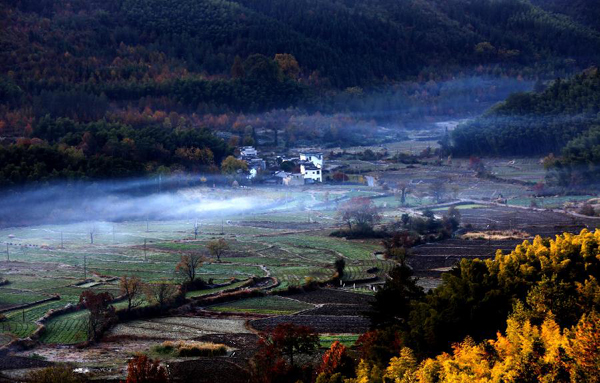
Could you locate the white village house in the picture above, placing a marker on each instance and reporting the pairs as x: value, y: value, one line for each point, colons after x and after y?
x: 311, y: 166
x: 248, y: 151
x: 314, y: 157
x: 311, y: 172
x: 293, y: 179
x: 255, y: 164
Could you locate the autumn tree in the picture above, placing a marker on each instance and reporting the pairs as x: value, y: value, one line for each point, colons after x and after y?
x: 291, y: 340
x: 231, y: 165
x: 402, y: 369
x: 261, y: 68
x: 131, y: 288
x: 397, y: 246
x: 102, y: 313
x: 288, y: 65
x: 268, y: 365
x: 359, y: 213
x: 584, y: 346
x: 335, y: 361
x: 340, y: 177
x: 217, y: 248
x: 277, y: 355
x: 142, y: 369
x: 187, y: 266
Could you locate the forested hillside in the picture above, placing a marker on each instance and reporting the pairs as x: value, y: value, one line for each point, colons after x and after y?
x: 210, y: 64
x: 564, y: 118
x: 585, y: 11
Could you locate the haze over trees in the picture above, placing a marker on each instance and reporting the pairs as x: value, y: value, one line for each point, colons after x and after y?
x: 534, y: 123
x: 561, y: 121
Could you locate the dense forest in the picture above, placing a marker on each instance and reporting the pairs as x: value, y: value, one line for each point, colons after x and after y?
x: 234, y: 67
x: 585, y: 11
x: 563, y: 118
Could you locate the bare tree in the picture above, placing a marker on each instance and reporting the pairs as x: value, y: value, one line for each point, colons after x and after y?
x: 131, y: 288
x: 217, y: 248
x: 92, y: 232
x: 161, y: 293
x: 403, y: 188
x: 196, y: 230
x: 360, y: 212
x: 438, y: 190
x: 187, y: 266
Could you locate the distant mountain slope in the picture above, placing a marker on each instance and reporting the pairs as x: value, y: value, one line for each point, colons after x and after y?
x: 585, y: 11
x: 534, y: 123
x: 346, y: 42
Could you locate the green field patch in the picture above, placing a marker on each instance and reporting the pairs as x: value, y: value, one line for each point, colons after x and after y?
x: 354, y: 250
x: 199, y: 293
x: 347, y: 340
x: 461, y: 207
x: 262, y: 305
x: 548, y: 202
x: 9, y: 297
x: 66, y: 329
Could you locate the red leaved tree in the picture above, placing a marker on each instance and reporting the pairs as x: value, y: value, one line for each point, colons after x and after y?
x: 282, y: 345
x: 101, y: 312
x: 336, y: 360
x: 141, y: 369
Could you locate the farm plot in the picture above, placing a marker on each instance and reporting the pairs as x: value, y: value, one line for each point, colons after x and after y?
x: 177, y: 328
x: 262, y: 305
x: 66, y: 329
x: 333, y: 296
x: 199, y: 293
x: 21, y: 323
x: 338, y: 309
x: 431, y: 260
x: 10, y: 298
x: 534, y: 222
x: 353, y: 250
x: 465, y: 248
x: 347, y: 340
x: 331, y: 324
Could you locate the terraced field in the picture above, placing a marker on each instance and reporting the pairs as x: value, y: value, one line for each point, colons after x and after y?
x: 177, y: 328
x: 262, y: 305
x: 290, y: 242
x: 66, y: 329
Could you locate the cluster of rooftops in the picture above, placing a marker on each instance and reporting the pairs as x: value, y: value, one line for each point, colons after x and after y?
x: 306, y: 168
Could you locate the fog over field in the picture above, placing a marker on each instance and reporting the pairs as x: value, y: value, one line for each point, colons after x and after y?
x: 123, y: 201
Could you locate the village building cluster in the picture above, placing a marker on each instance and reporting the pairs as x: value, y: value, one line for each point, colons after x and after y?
x: 307, y: 168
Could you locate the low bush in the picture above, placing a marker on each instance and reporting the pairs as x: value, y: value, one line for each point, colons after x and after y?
x: 189, y: 348
x: 61, y: 373
x: 360, y: 233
